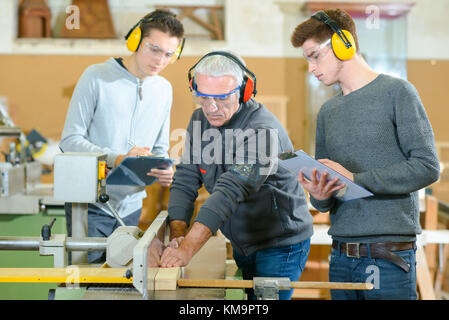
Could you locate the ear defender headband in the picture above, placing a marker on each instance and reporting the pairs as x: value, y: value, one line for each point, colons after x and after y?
x: 134, y: 36
x: 342, y: 41
x: 248, y: 86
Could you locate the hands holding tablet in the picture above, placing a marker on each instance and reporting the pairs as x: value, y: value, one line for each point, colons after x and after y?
x: 323, y: 178
x: 140, y: 167
x: 133, y: 152
x: 164, y: 176
x: 320, y: 187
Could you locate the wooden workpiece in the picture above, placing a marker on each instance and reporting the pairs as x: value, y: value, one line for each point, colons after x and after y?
x: 214, y: 283
x: 423, y: 278
x: 166, y: 278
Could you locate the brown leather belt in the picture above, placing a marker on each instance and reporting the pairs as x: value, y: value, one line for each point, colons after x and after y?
x: 377, y: 250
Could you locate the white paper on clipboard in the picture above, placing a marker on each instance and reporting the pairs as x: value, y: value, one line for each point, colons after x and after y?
x: 300, y: 161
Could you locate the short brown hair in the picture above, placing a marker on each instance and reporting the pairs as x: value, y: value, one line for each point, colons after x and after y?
x: 319, y: 31
x: 162, y: 20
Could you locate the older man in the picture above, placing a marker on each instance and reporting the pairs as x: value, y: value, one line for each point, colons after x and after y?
x: 231, y: 145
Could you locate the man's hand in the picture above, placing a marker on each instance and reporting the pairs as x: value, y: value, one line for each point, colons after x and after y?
x: 188, y: 245
x: 178, y: 257
x: 154, y: 253
x: 337, y: 167
x: 164, y: 176
x: 175, y: 242
x: 320, y: 188
x: 133, y: 152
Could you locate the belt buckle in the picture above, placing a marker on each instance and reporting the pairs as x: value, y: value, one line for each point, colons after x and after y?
x: 358, y: 250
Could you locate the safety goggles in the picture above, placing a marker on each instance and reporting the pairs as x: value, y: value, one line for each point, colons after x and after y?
x: 220, y: 100
x: 156, y: 51
x: 314, y: 54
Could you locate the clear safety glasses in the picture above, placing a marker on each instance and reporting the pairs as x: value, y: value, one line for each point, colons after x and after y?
x: 220, y: 100
x: 314, y: 54
x: 156, y: 51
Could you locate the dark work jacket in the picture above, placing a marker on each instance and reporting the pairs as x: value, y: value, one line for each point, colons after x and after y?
x: 255, y: 202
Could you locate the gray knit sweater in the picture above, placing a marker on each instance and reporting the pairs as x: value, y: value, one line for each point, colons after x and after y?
x: 380, y: 133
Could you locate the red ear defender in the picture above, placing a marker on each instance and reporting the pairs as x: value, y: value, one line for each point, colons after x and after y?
x: 248, y: 89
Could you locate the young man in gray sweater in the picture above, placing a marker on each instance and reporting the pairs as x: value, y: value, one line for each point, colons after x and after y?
x: 376, y: 133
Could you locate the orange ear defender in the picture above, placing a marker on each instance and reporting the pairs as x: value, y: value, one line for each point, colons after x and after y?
x: 248, y: 86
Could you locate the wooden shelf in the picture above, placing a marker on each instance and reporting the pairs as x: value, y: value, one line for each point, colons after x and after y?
x: 106, y: 47
x: 214, y: 27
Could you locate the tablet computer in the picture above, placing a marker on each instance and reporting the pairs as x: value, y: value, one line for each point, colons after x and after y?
x: 300, y: 161
x: 132, y: 171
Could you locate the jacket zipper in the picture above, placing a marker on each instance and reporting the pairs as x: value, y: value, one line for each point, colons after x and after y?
x: 131, y: 128
x: 274, y: 201
x: 140, y: 90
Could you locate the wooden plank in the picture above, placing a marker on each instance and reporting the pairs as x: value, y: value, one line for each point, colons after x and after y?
x: 216, y: 24
x: 315, y: 294
x: 439, y: 279
x: 423, y: 276
x: 151, y: 278
x: 64, y: 275
x: 210, y: 261
x: 331, y: 285
x: 431, y: 223
x: 446, y: 272
x: 215, y: 283
x: 166, y: 278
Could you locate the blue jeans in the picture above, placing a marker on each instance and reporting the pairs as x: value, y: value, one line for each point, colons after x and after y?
x: 390, y: 281
x: 287, y: 261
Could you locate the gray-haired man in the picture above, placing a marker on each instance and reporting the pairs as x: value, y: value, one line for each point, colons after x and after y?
x: 230, y: 146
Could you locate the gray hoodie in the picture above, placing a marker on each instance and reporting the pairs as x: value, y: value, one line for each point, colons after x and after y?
x: 255, y: 203
x: 110, y: 111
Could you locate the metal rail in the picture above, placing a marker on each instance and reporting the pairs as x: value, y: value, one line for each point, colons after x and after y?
x: 72, y: 244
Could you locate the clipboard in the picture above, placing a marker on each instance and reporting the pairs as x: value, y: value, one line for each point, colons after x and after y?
x: 300, y: 161
x: 132, y: 171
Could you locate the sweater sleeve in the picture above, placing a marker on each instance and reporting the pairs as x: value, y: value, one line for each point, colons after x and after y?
x: 321, y: 153
x: 186, y: 182
x: 183, y: 192
x: 79, y: 117
x: 416, y: 140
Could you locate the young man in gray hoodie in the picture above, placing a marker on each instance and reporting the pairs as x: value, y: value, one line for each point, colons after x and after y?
x: 122, y: 108
x: 232, y: 144
x: 376, y: 133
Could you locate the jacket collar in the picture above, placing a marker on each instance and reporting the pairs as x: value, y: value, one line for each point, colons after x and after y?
x: 124, y: 72
x: 244, y: 111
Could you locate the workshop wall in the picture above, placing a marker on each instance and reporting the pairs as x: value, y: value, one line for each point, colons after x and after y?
x: 39, y: 89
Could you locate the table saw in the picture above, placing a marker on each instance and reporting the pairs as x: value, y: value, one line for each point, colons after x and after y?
x: 131, y: 270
